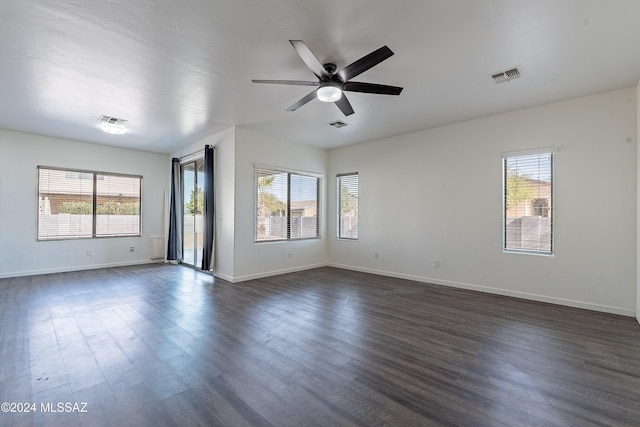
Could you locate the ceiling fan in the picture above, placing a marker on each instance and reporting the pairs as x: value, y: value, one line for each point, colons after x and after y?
x: 331, y: 83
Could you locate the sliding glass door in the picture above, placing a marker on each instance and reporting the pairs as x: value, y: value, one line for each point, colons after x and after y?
x: 192, y: 210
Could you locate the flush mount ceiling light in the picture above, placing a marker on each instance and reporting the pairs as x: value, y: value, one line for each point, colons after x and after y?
x: 329, y: 92
x: 112, y: 125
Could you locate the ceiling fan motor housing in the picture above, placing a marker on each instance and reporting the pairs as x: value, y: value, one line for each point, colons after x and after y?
x: 330, y: 68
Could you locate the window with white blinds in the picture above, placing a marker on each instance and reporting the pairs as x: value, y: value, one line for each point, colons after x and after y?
x: 287, y: 206
x: 75, y: 204
x: 347, y: 204
x: 528, y: 202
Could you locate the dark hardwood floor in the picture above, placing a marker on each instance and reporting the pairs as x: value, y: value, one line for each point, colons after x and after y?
x: 163, y: 345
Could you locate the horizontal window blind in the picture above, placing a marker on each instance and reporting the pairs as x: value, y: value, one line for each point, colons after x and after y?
x: 347, y: 204
x: 528, y: 203
x: 80, y: 204
x: 271, y: 205
x: 117, y: 205
x: 303, y: 207
x: 65, y: 204
x: 287, y: 206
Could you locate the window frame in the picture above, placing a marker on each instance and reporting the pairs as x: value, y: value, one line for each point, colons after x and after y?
x: 551, y: 151
x: 258, y: 169
x: 339, y: 206
x: 94, y: 197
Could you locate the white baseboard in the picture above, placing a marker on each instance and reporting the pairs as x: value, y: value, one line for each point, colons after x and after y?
x: 275, y: 272
x: 638, y: 315
x: 224, y: 277
x: 76, y: 268
x: 498, y: 291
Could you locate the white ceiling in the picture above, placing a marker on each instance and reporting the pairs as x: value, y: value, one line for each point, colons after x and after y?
x: 179, y: 71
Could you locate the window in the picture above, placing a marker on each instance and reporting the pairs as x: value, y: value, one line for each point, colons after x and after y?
x: 347, y: 204
x: 81, y: 204
x: 287, y: 206
x: 528, y: 202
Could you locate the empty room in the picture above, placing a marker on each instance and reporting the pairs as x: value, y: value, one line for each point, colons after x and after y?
x: 302, y: 213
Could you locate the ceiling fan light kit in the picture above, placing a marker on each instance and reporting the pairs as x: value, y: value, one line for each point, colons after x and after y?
x: 331, y: 83
x: 329, y: 93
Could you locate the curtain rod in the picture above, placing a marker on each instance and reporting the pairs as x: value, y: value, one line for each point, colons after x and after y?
x: 194, y: 153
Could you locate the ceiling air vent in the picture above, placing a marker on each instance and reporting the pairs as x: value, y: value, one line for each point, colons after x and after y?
x: 338, y: 124
x: 506, y: 75
x: 112, y: 125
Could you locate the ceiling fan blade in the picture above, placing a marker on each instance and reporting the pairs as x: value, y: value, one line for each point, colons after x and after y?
x: 364, y: 63
x: 309, y: 58
x: 344, y: 105
x: 372, y: 88
x: 309, y: 97
x: 287, y: 82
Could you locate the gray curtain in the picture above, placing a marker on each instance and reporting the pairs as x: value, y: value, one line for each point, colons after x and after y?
x: 208, y: 248
x: 174, y: 247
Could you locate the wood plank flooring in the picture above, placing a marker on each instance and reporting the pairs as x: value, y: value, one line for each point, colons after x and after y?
x: 163, y: 345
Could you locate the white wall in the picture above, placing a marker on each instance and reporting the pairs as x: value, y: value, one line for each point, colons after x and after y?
x: 262, y: 259
x: 437, y: 194
x: 20, y: 252
x: 224, y: 142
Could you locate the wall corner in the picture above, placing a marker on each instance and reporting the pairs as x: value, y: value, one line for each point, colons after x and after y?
x: 637, y: 205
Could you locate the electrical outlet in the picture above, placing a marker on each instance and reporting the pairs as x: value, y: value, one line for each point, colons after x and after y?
x: 289, y: 255
x: 436, y: 263
x: 376, y: 255
x: 89, y: 253
x: 131, y: 249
